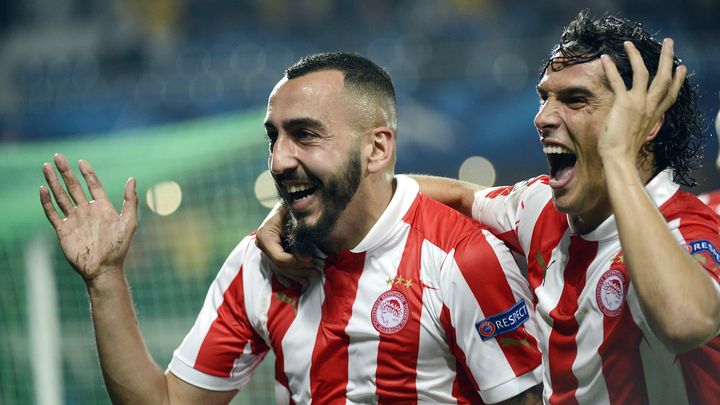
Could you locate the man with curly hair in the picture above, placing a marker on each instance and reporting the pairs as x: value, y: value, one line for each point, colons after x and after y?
x: 623, y: 264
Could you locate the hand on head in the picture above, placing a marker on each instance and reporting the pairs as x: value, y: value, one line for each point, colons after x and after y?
x: 637, y: 113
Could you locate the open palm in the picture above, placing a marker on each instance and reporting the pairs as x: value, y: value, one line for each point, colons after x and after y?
x: 93, y: 236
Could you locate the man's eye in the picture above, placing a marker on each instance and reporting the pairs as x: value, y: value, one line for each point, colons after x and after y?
x: 305, y: 135
x: 576, y: 102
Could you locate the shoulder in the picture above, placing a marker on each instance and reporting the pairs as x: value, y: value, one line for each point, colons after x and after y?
x: 247, y: 258
x: 440, y: 224
x: 451, y: 231
x: 689, y: 208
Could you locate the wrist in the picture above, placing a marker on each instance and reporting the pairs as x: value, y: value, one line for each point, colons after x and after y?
x: 108, y: 278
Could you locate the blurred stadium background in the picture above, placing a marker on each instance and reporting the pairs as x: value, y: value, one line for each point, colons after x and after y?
x: 173, y: 91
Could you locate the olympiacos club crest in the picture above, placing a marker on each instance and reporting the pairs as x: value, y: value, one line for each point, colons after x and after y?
x: 390, y: 312
x: 610, y: 292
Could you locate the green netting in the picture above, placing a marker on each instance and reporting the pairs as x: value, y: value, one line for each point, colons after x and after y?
x: 173, y: 258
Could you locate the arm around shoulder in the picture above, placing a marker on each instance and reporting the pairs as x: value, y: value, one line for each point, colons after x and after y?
x: 454, y: 193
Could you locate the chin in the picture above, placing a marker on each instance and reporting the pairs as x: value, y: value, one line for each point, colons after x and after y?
x: 562, y: 203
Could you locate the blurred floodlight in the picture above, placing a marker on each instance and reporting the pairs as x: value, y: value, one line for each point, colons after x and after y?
x: 265, y: 190
x: 478, y: 170
x: 164, y: 198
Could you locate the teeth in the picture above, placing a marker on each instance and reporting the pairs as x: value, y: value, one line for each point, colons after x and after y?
x: 298, y: 187
x: 555, y: 149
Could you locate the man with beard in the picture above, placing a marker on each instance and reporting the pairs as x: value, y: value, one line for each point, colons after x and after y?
x: 623, y: 264
x: 414, y: 303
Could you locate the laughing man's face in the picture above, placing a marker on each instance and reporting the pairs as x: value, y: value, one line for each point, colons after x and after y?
x: 574, y: 103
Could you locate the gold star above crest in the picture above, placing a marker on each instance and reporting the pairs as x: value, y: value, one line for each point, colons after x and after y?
x: 619, y: 259
x: 407, y: 283
x: 390, y: 281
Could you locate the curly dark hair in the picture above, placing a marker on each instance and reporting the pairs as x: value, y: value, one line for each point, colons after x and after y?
x: 681, y: 140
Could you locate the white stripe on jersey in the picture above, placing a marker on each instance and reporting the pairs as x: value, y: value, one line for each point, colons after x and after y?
x: 516, y: 213
x: 437, y: 293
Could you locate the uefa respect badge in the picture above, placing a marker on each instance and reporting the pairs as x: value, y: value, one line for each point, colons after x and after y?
x: 504, y: 322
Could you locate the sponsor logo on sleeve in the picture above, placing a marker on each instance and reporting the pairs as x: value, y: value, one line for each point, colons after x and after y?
x: 503, y: 322
x: 704, y: 251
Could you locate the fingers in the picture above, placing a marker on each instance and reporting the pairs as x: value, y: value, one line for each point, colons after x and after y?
x: 616, y: 82
x: 665, y: 64
x: 666, y: 86
x: 97, y: 191
x: 73, y: 185
x: 50, y: 212
x: 640, y: 72
x: 301, y: 276
x: 130, y: 202
x: 283, y: 259
x: 61, y: 197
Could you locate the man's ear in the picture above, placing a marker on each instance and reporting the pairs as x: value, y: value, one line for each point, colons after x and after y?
x: 655, y: 129
x: 381, y: 147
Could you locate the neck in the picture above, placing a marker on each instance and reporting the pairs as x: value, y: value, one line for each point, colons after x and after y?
x: 361, y: 214
x: 586, y: 223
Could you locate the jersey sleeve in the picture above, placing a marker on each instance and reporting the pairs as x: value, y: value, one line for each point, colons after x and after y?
x: 224, y: 347
x: 488, y: 318
x: 701, y: 237
x: 505, y: 209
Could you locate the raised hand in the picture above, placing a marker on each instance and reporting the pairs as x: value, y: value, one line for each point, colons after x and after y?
x: 93, y: 236
x: 637, y: 113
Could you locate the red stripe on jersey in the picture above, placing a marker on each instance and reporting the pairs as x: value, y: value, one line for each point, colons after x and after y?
x: 465, y: 388
x: 494, y: 295
x: 620, y: 354
x: 398, y: 352
x: 511, y: 239
x: 281, y: 314
x: 500, y: 191
x: 549, y: 228
x: 329, y: 369
x: 562, y: 347
x: 698, y: 222
x: 229, y: 333
x: 701, y: 368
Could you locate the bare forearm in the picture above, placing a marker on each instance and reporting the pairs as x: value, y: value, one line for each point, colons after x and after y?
x: 676, y: 294
x: 456, y: 194
x: 130, y: 374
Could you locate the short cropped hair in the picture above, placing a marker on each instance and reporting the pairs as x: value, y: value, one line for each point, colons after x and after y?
x: 681, y: 140
x: 361, y: 75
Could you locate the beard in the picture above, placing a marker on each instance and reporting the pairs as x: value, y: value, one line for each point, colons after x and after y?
x: 336, y: 193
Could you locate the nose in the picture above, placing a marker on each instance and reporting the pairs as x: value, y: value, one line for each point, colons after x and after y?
x: 547, y: 118
x: 283, y: 155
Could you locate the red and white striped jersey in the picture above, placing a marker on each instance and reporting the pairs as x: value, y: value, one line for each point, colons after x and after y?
x: 712, y: 200
x: 428, y: 308
x: 596, y: 343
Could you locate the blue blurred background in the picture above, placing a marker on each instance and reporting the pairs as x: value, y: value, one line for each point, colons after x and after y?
x: 465, y: 69
x: 173, y: 92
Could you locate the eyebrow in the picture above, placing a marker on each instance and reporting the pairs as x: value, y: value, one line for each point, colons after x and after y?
x: 297, y: 122
x: 567, y: 91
